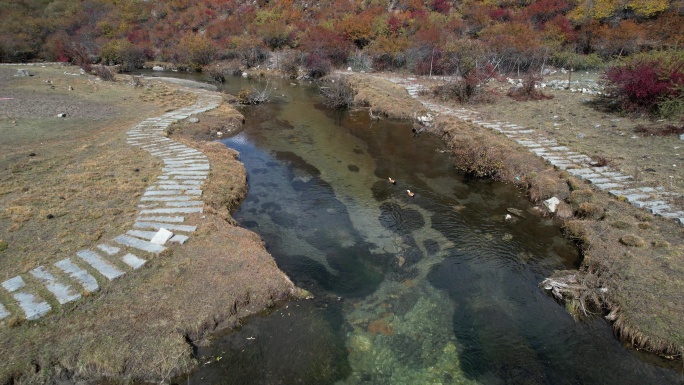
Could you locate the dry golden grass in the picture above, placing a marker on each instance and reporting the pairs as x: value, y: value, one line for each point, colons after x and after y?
x: 384, y: 97
x: 139, y: 327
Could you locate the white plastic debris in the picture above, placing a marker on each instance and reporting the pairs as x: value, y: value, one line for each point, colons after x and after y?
x: 551, y: 204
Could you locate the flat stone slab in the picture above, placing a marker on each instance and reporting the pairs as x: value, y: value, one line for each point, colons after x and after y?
x: 32, y: 305
x: 133, y: 261
x: 168, y: 226
x: 185, y: 204
x: 162, y: 198
x: 176, y: 219
x: 81, y: 276
x: 63, y: 293
x: 3, y: 312
x: 161, y: 236
x: 608, y: 186
x: 176, y: 210
x: 102, y: 266
x: 110, y: 250
x: 162, y: 192
x: 195, y: 173
x: 139, y: 244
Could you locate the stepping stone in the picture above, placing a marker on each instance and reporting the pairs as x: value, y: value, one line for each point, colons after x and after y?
x: 168, y: 226
x: 102, y: 266
x: 196, y: 173
x: 580, y: 171
x: 81, y: 276
x: 139, y: 244
x: 608, y: 186
x: 110, y: 250
x: 190, y: 177
x: 177, y: 210
x: 176, y: 219
x: 161, y: 236
x: 157, y: 187
x: 32, y: 305
x: 185, y: 204
x: 162, y: 192
x: 3, y: 312
x: 178, y: 198
x: 63, y: 293
x: 148, y: 235
x: 133, y: 261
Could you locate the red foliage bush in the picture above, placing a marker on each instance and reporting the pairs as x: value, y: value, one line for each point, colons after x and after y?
x: 317, y: 65
x: 644, y: 82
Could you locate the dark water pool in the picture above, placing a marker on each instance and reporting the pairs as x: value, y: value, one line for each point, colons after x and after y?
x: 436, y: 288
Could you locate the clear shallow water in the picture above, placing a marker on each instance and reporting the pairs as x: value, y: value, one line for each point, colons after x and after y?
x: 431, y: 289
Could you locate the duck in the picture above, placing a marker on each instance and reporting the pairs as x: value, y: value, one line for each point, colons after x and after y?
x: 410, y: 193
x: 392, y: 180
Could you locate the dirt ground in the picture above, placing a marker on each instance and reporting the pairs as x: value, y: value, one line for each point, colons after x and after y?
x: 66, y: 183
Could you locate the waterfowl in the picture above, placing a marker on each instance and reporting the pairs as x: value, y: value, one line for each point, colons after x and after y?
x: 410, y: 193
x: 392, y: 180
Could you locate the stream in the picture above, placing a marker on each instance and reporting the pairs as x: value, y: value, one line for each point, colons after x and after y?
x: 432, y: 289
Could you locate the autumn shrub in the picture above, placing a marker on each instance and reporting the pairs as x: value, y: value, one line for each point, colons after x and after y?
x: 528, y: 90
x: 337, y: 92
x: 649, y: 82
x: 468, y: 88
x: 195, y: 50
x: 575, y: 61
x: 249, y: 50
x: 317, y: 66
x: 289, y: 62
x: 219, y: 72
x: 123, y: 53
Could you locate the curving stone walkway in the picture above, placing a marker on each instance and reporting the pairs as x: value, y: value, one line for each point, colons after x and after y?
x: 176, y: 192
x: 657, y: 200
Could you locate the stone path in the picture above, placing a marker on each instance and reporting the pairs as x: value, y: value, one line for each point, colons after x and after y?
x: 657, y: 200
x: 176, y: 192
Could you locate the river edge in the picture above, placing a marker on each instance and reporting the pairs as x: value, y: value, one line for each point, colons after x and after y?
x: 632, y: 260
x: 171, y: 355
x: 145, y: 327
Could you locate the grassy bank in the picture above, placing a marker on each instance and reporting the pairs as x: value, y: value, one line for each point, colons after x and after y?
x: 633, y: 266
x: 142, y: 326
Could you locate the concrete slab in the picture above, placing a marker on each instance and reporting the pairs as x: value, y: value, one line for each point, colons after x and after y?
x: 168, y: 226
x: 63, y: 293
x: 139, y: 244
x: 608, y: 186
x: 98, y: 263
x: 185, y: 204
x: 161, y: 236
x: 162, y: 192
x: 79, y: 275
x: 33, y: 306
x: 176, y: 219
x: 133, y: 261
x: 110, y: 250
x: 177, y: 210
x: 14, y: 284
x: 4, y: 313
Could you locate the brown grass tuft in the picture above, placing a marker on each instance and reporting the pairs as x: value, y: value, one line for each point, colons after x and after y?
x: 588, y: 210
x: 632, y: 240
